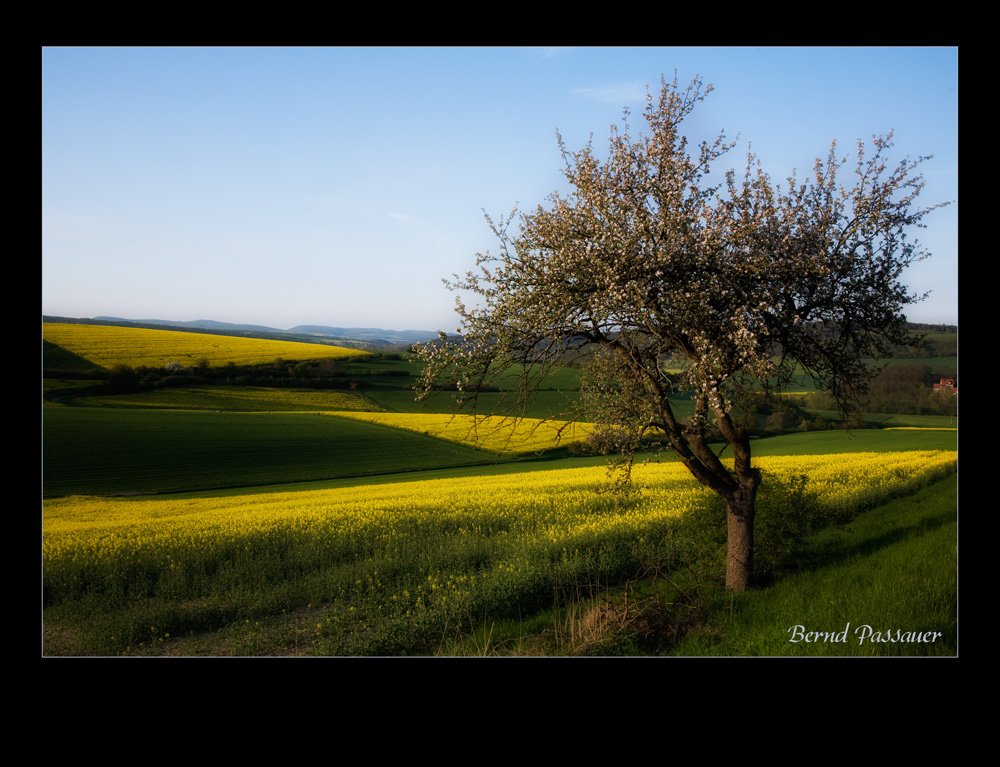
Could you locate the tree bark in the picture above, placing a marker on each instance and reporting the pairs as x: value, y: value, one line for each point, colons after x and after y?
x: 740, y: 508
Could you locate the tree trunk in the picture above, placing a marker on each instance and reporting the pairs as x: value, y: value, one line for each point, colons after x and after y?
x: 740, y: 508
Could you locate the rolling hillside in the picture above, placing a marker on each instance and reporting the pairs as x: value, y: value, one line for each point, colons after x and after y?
x: 107, y: 346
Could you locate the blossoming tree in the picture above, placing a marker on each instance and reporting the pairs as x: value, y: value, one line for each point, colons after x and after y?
x: 739, y: 285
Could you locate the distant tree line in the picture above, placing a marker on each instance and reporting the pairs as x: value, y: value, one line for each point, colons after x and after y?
x: 931, y: 346
x: 905, y: 390
x: 923, y: 327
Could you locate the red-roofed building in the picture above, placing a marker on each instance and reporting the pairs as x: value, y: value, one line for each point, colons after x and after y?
x: 947, y: 386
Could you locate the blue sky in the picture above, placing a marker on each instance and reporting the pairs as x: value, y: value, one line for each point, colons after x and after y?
x: 338, y: 186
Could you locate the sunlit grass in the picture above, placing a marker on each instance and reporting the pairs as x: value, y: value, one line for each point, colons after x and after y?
x: 893, y: 569
x: 495, y: 433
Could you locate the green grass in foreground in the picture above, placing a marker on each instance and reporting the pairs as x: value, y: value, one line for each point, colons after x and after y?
x: 894, y: 568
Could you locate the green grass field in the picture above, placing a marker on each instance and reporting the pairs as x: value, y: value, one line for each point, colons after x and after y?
x: 109, y: 451
x: 232, y: 398
x: 864, y: 441
x: 894, y: 569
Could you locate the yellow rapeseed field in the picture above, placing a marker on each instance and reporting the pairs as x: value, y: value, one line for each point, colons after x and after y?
x: 921, y: 428
x: 547, y: 507
x: 107, y: 345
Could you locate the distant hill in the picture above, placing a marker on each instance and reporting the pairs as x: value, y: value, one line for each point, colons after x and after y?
x: 203, y: 324
x: 367, y: 334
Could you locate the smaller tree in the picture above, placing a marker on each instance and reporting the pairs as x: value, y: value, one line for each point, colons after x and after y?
x: 739, y: 286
